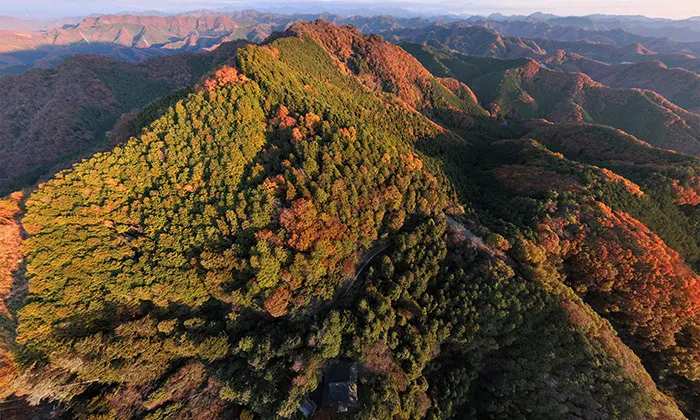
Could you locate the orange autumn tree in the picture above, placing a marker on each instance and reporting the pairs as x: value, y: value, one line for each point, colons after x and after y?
x: 224, y: 76
x: 276, y: 305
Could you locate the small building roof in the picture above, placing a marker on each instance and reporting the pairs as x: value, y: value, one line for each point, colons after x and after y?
x: 340, y: 386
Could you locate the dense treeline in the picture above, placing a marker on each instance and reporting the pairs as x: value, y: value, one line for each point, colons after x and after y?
x: 614, y: 262
x: 285, y: 212
x: 52, y: 117
x: 669, y: 180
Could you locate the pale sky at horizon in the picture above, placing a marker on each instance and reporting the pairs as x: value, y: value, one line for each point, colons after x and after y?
x: 675, y: 9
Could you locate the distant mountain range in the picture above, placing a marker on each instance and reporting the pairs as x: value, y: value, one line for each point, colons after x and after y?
x: 680, y: 86
x: 523, y: 89
x: 675, y: 76
x: 679, y: 30
x: 135, y: 37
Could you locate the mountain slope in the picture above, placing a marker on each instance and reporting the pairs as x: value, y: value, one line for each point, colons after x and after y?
x: 669, y: 180
x: 469, y: 39
x: 384, y: 67
x: 481, y: 41
x: 288, y: 213
x: 584, y: 235
x: 679, y: 86
x: 524, y: 89
x: 50, y: 117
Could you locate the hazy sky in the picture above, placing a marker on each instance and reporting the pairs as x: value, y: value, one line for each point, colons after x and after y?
x: 652, y: 8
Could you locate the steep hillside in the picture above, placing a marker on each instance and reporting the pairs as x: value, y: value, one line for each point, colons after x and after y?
x: 291, y: 212
x: 384, y: 67
x: 468, y: 39
x: 516, y: 89
x: 669, y: 180
x: 50, y: 117
x: 481, y: 41
x: 583, y: 234
x: 679, y: 86
x: 617, y: 37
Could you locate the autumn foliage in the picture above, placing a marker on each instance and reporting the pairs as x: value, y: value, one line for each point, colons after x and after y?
x: 312, y: 203
x: 225, y: 75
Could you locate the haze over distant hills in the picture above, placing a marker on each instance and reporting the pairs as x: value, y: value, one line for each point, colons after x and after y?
x: 134, y: 37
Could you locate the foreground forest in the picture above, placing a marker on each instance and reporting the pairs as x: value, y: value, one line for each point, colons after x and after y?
x: 483, y: 238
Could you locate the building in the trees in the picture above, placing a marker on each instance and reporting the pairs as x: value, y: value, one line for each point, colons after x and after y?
x: 340, y: 387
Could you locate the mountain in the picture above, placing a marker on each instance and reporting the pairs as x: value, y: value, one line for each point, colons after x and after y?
x: 680, y: 86
x: 385, y: 67
x: 669, y: 179
x: 679, y: 30
x: 633, y: 53
x: 137, y: 36
x: 180, y: 32
x: 327, y: 204
x: 11, y: 23
x: 469, y: 39
x: 132, y: 38
x: 50, y: 117
x: 566, y: 32
x: 44, y: 57
x: 516, y: 89
x: 8, y: 22
x: 169, y: 32
x: 479, y: 40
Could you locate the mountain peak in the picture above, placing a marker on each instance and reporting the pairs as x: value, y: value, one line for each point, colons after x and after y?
x: 382, y: 66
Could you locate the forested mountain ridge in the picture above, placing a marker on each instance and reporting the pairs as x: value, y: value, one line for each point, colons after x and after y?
x: 516, y: 89
x: 135, y: 37
x: 680, y: 86
x: 326, y: 196
x: 51, y: 117
x: 482, y: 40
x: 384, y: 67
